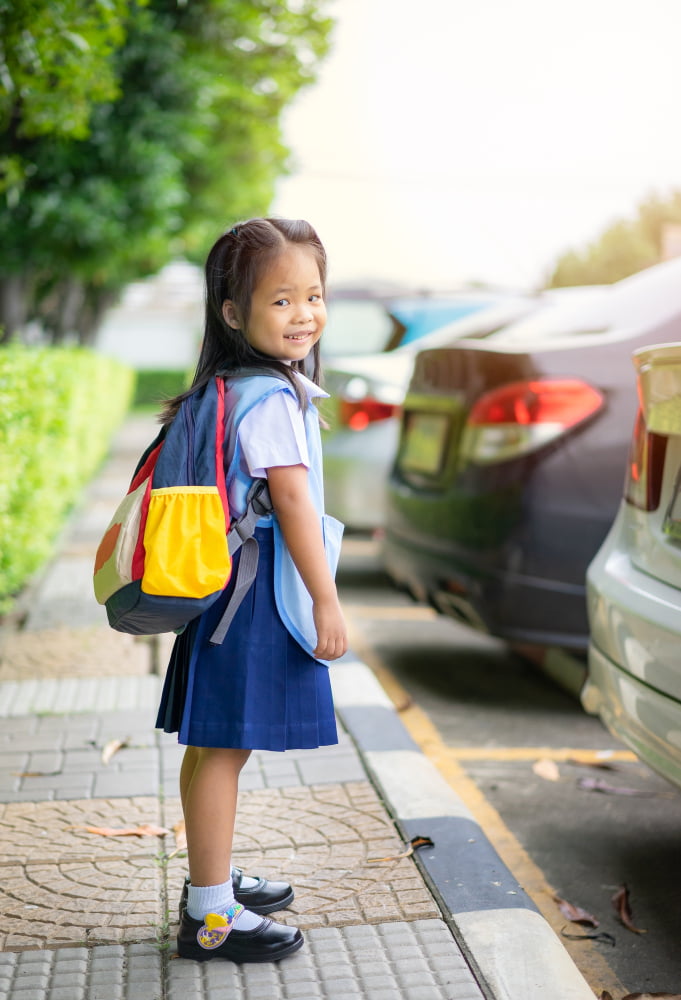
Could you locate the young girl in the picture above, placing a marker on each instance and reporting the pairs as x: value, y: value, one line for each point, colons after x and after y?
x: 264, y: 687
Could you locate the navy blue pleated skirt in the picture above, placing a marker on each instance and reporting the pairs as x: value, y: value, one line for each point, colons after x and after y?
x: 259, y: 690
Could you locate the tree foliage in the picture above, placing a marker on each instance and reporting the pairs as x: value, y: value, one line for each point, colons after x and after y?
x: 55, y: 63
x: 625, y: 247
x: 177, y: 134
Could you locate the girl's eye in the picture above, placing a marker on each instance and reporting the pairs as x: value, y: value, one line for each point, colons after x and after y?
x: 315, y: 298
x: 281, y: 302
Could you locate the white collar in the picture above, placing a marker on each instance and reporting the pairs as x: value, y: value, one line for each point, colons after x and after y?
x: 311, y: 388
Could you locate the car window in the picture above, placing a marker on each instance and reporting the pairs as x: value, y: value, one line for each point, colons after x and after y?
x: 416, y: 318
x: 476, y: 326
x: 355, y: 326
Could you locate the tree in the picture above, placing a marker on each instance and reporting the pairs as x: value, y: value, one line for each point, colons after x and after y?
x: 248, y: 59
x: 56, y: 62
x: 622, y: 249
x: 191, y: 140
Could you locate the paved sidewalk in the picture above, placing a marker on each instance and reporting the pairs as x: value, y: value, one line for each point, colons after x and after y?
x: 89, y: 916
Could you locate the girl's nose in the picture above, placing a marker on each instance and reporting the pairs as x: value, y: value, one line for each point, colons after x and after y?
x: 303, y: 312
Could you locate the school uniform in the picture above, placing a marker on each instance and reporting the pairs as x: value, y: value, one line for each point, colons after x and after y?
x: 261, y: 689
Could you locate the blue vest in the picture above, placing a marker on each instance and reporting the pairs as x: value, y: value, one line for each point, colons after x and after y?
x: 294, y: 603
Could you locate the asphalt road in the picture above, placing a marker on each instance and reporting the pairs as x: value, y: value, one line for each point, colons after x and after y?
x: 522, y: 752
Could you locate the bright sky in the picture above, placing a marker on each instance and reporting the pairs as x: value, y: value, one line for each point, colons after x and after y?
x: 455, y: 140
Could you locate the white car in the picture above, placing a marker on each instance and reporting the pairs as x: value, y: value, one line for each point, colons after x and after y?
x: 634, y: 582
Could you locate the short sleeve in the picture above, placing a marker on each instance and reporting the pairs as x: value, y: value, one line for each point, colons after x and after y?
x: 273, y: 433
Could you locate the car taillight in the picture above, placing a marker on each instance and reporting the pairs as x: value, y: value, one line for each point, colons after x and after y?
x: 643, y: 483
x: 359, y: 413
x: 520, y: 417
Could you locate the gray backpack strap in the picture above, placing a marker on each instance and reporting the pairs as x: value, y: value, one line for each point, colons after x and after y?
x: 240, y: 536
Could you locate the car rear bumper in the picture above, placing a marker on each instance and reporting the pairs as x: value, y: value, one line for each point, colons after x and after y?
x: 509, y: 605
x: 645, y: 719
x: 635, y: 619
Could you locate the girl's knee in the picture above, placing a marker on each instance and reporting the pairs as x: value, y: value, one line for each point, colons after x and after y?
x: 228, y: 756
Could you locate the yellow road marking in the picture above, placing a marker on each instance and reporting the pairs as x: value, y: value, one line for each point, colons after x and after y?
x: 584, y: 954
x: 542, y: 753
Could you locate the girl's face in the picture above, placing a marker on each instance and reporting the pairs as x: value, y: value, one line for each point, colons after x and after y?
x: 287, y: 309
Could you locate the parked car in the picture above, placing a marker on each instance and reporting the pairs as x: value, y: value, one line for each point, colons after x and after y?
x: 358, y: 319
x: 367, y: 371
x: 379, y: 317
x: 363, y: 414
x: 367, y: 391
x: 634, y: 582
x: 509, y: 466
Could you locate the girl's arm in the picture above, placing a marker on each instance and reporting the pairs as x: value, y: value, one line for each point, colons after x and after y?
x: 302, y: 532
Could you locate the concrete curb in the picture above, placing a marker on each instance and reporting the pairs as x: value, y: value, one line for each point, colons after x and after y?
x: 511, y: 948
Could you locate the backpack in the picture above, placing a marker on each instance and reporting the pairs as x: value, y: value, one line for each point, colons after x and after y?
x: 166, y: 555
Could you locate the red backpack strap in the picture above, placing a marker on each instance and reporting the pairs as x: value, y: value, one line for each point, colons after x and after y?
x: 220, y: 481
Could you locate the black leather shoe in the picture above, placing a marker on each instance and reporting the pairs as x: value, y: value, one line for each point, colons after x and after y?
x: 216, y: 937
x: 264, y: 897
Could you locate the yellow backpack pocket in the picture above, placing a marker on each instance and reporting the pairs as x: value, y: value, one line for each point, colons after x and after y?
x: 185, y: 542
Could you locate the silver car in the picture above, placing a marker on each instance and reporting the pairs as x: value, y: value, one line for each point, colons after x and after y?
x: 634, y: 582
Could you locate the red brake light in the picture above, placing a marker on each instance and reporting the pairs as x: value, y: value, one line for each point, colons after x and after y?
x: 358, y: 414
x: 565, y: 401
x: 520, y: 417
x: 643, y: 484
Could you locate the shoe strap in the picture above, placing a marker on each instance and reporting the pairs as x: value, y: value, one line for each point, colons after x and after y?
x: 216, y: 927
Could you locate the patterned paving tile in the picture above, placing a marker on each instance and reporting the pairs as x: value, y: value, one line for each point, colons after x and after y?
x: 322, y: 839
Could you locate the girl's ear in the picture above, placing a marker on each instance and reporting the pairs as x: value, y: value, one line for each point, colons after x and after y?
x: 229, y: 314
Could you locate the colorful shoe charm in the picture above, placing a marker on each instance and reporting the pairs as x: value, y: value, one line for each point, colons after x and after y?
x: 217, y: 926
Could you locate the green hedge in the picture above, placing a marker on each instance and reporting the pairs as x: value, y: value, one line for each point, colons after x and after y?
x: 154, y: 386
x: 59, y: 410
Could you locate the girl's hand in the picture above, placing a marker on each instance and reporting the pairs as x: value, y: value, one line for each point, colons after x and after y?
x: 332, y: 640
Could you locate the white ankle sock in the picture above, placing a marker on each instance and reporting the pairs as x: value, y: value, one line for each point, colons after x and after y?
x: 203, y: 899
x: 246, y: 881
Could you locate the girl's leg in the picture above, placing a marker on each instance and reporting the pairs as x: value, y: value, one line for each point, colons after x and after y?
x: 209, y: 784
x: 257, y: 894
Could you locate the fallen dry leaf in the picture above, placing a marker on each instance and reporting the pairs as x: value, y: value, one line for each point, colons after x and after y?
x: 601, y: 765
x: 112, y: 747
x: 620, y: 902
x: 180, y: 838
x: 598, y: 785
x: 575, y: 913
x: 144, y: 830
x: 180, y: 835
x: 414, y: 845
x: 547, y: 769
x: 602, y: 936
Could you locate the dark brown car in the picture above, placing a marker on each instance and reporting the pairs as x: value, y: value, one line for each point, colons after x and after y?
x: 511, y: 460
